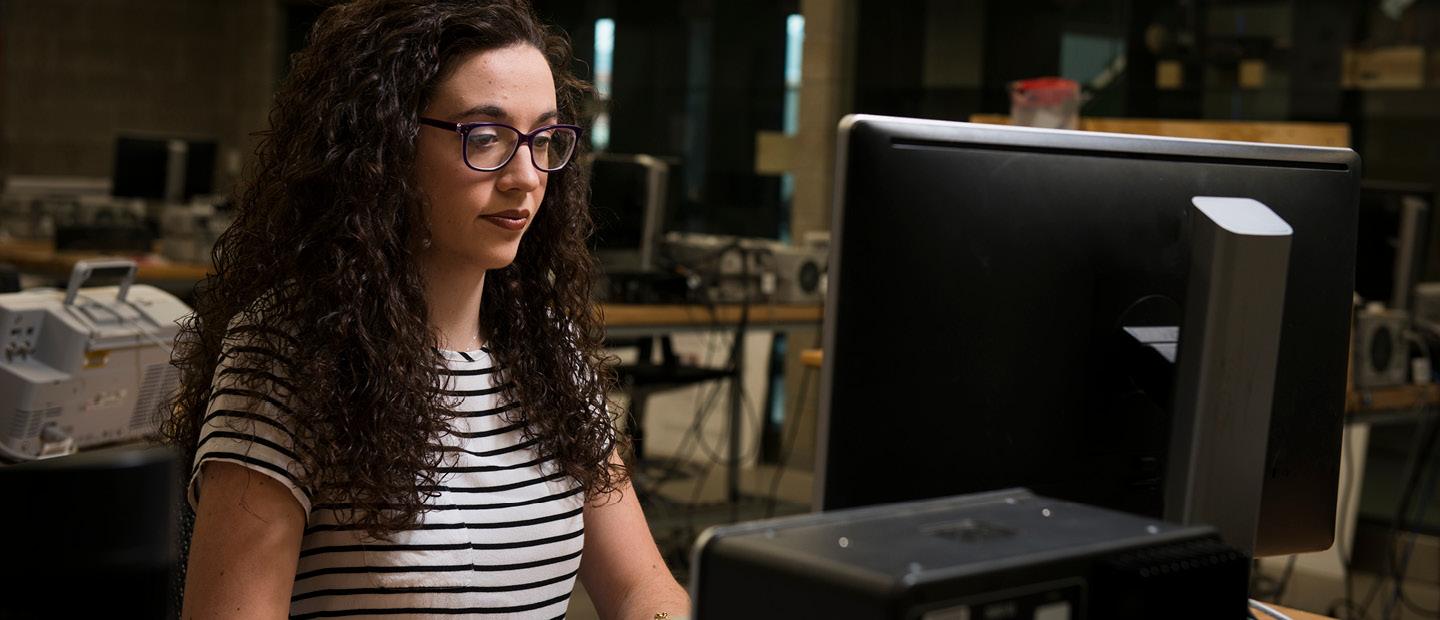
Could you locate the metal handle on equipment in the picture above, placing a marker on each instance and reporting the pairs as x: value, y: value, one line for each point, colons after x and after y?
x: 87, y: 268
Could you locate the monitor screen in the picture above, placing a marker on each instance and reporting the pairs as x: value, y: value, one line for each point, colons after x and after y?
x: 629, y: 195
x: 106, y: 518
x: 618, y: 194
x: 142, y: 167
x: 980, y: 277
x: 1383, y: 234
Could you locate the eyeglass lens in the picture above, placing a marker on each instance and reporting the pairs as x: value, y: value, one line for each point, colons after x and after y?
x: 489, y: 146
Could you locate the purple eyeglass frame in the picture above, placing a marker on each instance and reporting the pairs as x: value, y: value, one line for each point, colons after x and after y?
x: 464, y: 130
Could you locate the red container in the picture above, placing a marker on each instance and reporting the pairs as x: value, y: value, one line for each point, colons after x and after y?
x: 1049, y: 102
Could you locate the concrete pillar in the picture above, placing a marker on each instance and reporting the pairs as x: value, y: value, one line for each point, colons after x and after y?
x: 826, y: 94
x: 826, y: 89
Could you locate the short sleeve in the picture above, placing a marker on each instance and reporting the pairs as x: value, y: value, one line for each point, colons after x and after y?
x: 249, y: 421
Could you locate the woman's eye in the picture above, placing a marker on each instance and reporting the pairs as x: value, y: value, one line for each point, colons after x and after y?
x: 483, y: 139
x: 540, y: 142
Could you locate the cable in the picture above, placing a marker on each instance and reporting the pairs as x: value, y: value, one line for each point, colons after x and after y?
x: 1347, y: 458
x: 695, y: 432
x: 1389, y: 548
x: 1415, y: 463
x: 1390, y: 571
x: 1284, y: 580
x: 702, y: 404
x: 695, y: 435
x: 755, y: 417
x: 711, y: 453
x: 1425, y: 491
x: 788, y: 446
x: 1400, y: 570
x: 692, y: 434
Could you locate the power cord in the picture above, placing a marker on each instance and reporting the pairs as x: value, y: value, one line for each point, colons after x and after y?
x: 1347, y: 458
x: 787, y: 450
x: 1426, y: 491
x: 1284, y: 581
x: 695, y: 435
x: 1400, y: 570
x: 1415, y: 463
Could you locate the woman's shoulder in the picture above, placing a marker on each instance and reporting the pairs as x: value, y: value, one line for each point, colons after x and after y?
x: 266, y: 317
x: 261, y: 337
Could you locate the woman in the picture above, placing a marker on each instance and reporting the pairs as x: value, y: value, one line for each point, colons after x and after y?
x: 394, y: 404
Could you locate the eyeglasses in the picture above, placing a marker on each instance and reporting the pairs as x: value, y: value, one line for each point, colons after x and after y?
x: 487, y: 147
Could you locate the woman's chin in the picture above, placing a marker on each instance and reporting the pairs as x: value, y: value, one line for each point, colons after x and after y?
x: 465, y: 256
x: 495, y: 259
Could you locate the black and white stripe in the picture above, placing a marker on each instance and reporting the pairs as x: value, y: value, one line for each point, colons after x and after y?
x: 501, y: 538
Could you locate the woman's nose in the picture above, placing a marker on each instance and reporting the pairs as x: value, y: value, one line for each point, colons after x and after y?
x: 520, y: 173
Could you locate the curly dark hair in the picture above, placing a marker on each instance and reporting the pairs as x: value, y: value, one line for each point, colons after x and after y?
x: 324, y: 245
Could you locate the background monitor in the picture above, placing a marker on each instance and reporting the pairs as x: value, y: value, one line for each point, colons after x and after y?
x: 1392, y: 241
x: 628, y: 196
x: 981, y: 277
x: 93, y: 534
x: 170, y: 169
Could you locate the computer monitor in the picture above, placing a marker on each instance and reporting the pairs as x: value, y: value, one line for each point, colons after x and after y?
x: 1392, y: 241
x: 169, y: 169
x: 980, y: 282
x: 92, y: 534
x: 628, y: 195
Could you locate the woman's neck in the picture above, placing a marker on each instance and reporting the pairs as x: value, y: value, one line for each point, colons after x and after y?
x: 452, y: 297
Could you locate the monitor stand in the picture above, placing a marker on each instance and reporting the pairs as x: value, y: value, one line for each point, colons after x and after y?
x: 1225, y: 371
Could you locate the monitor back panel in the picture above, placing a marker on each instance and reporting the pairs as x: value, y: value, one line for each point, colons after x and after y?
x: 979, y: 280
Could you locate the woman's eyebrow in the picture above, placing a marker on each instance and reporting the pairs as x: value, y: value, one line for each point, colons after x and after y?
x: 494, y: 111
x: 485, y: 109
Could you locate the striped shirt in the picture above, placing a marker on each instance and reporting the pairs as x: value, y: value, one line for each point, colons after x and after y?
x: 501, y: 540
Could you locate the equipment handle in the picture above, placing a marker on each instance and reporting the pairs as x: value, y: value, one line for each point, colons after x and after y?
x: 86, y: 268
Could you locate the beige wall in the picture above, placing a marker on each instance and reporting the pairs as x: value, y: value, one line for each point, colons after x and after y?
x: 74, y: 73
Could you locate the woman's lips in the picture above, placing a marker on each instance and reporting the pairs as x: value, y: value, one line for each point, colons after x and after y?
x: 514, y: 219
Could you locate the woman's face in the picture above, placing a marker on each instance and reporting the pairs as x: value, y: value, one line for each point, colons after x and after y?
x: 477, y: 218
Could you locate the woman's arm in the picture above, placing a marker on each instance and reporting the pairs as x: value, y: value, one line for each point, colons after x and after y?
x: 245, y: 546
x: 621, y: 568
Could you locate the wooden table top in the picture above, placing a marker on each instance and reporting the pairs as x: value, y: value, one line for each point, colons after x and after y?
x: 1296, y: 614
x: 40, y: 257
x: 1398, y: 397
x: 689, y: 315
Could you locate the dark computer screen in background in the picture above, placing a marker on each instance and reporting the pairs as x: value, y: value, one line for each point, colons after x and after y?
x: 92, y: 534
x: 143, y: 165
x: 980, y: 277
x: 1383, y: 236
x: 617, y: 203
x: 629, y: 199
